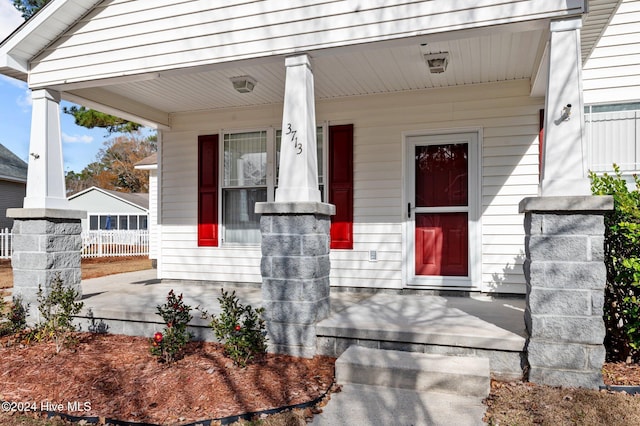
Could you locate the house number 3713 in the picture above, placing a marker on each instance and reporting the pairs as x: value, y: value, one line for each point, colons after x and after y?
x: 294, y: 138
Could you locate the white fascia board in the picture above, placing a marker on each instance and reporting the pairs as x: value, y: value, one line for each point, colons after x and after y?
x: 147, y: 167
x: 84, y: 191
x: 110, y: 103
x: 540, y: 78
x: 13, y: 57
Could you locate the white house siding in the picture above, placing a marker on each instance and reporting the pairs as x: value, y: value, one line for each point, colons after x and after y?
x: 97, y: 203
x: 506, y: 115
x: 124, y: 37
x: 153, y: 214
x: 612, y: 73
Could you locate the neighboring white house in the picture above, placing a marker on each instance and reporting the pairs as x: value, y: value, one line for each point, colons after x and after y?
x: 111, y: 210
x: 13, y: 184
x: 611, y: 81
x: 150, y: 163
x: 427, y: 114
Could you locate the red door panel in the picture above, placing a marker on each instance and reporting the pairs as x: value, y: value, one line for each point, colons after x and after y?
x: 442, y: 245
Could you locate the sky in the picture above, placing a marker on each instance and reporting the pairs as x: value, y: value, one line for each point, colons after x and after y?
x: 79, y: 144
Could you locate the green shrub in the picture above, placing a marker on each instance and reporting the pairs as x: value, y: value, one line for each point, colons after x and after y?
x: 13, y: 319
x: 622, y: 259
x: 57, y: 308
x: 169, y: 344
x: 240, y: 328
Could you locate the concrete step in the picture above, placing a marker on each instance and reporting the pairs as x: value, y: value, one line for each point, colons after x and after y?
x: 415, y: 371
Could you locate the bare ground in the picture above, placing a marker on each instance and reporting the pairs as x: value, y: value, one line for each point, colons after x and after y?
x: 91, y: 268
x: 149, y: 385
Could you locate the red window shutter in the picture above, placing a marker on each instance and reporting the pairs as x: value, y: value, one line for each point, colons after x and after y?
x: 208, y: 190
x: 341, y: 185
x: 541, y: 143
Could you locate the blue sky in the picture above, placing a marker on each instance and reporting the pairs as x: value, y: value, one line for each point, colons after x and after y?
x: 79, y: 144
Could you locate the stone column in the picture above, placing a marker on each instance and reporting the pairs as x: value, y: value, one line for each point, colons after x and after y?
x: 46, y: 244
x: 566, y: 277
x: 295, y: 229
x: 295, y: 273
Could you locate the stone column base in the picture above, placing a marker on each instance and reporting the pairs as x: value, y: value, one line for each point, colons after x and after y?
x: 295, y: 273
x: 46, y: 244
x: 566, y: 277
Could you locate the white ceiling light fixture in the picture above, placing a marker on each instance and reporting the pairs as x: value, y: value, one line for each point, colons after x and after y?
x: 437, y: 62
x: 244, y: 83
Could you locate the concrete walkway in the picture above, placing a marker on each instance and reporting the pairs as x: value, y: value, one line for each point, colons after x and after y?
x: 365, y: 405
x: 437, y: 321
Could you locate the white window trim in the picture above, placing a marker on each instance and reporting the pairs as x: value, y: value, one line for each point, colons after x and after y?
x: 271, y: 172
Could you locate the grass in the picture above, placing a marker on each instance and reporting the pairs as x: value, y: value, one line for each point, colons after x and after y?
x: 524, y: 404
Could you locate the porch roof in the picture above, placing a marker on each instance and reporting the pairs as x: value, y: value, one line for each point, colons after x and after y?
x: 489, y: 52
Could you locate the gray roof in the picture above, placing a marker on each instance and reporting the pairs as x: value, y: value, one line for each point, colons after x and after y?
x: 140, y: 199
x: 148, y: 161
x: 11, y: 166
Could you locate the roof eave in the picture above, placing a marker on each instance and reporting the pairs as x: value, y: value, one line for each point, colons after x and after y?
x: 15, y: 57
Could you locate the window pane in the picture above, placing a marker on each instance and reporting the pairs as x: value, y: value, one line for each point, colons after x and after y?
x: 142, y: 220
x: 133, y: 222
x: 241, y: 223
x: 245, y: 159
x: 93, y: 222
x: 441, y: 175
x: 124, y: 222
x: 105, y: 222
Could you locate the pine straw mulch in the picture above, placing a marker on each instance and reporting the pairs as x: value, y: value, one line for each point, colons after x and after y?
x: 520, y: 403
x: 121, y: 380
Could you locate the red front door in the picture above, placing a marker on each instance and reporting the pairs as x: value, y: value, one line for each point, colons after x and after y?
x: 441, y: 209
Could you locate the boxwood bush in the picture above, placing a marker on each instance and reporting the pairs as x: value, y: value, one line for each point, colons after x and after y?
x: 622, y: 258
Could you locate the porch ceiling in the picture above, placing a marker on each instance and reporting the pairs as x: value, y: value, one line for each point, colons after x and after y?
x: 367, y: 70
x: 363, y: 70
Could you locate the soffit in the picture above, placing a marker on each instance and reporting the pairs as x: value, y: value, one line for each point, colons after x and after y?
x: 367, y: 70
x: 594, y: 24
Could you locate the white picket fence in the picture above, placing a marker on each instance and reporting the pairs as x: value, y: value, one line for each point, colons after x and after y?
x: 5, y: 243
x: 97, y: 243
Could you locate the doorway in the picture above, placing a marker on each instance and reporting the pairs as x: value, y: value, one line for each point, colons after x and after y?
x: 442, y: 191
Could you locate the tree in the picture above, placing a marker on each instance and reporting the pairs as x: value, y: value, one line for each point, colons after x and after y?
x: 114, y: 166
x: 88, y: 118
x: 28, y: 8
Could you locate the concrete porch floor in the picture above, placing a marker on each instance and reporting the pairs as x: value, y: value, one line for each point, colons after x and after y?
x: 478, y: 325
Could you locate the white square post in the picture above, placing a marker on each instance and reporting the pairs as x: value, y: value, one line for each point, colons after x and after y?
x: 46, y: 234
x: 298, y: 176
x: 563, y: 160
x: 45, y: 177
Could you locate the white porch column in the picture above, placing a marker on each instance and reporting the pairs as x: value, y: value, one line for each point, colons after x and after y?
x: 298, y: 176
x: 563, y: 163
x: 45, y: 177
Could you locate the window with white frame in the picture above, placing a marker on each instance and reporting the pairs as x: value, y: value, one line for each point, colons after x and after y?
x: 612, y: 135
x: 108, y: 222
x: 249, y: 175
